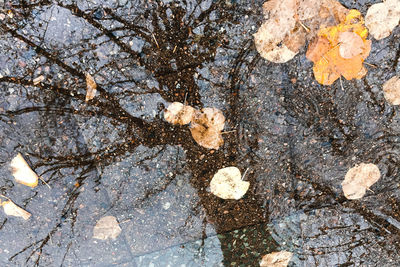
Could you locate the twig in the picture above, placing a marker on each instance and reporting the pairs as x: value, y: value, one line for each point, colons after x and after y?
x: 341, y: 84
x: 304, y: 26
x: 155, y: 40
x: 244, y: 174
x: 44, y: 182
x: 184, y: 102
x: 228, y: 132
x: 174, y: 49
x: 372, y: 65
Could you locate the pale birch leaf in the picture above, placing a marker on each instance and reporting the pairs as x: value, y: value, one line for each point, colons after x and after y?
x: 106, y: 228
x: 227, y: 184
x: 382, y: 18
x: 276, y: 259
x: 178, y: 113
x: 22, y: 172
x: 360, y: 178
x: 351, y: 44
x: 391, y: 90
x: 11, y: 209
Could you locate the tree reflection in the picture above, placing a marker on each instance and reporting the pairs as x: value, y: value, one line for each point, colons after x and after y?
x: 149, y: 48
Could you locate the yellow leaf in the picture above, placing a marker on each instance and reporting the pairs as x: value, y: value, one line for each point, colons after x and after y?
x: 340, y: 50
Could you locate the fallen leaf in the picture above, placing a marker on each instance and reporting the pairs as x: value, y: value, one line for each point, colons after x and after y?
x: 391, y: 90
x: 177, y: 113
x: 276, y: 259
x: 340, y: 50
x: 38, y: 79
x: 382, y: 18
x: 22, y: 172
x: 351, y: 45
x: 13, y: 210
x: 90, y: 87
x: 290, y: 23
x: 227, y: 184
x: 360, y: 178
x: 107, y: 227
x: 206, y: 127
x: 269, y: 38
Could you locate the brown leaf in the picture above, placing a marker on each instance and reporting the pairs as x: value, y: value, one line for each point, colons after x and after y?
x: 90, y: 87
x: 177, y: 113
x: 22, y: 172
x: 391, y: 90
x: 358, y: 179
x: 227, y: 184
x: 107, y: 227
x: 276, y: 259
x: 13, y: 210
x: 206, y: 127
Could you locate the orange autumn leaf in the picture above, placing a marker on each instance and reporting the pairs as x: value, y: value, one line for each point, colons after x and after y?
x: 340, y: 50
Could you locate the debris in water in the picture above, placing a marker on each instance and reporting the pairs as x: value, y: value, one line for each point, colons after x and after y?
x: 227, y: 184
x: 22, y: 172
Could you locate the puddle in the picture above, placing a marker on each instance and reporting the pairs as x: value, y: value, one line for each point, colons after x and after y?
x: 116, y: 155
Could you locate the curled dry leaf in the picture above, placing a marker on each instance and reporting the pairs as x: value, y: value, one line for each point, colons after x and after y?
x: 13, y: 210
x: 22, y: 172
x: 333, y: 58
x: 227, y: 184
x: 290, y: 23
x: 177, y: 113
x: 91, y: 87
x: 276, y: 259
x: 358, y: 179
x: 382, y: 18
x: 38, y: 79
x: 107, y: 227
x: 391, y: 90
x: 206, y: 127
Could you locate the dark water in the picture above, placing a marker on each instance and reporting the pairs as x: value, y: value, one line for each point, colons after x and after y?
x: 115, y: 155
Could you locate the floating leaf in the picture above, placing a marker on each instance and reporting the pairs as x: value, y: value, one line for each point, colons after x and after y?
x: 107, y: 227
x: 351, y: 45
x: 91, y: 87
x: 382, y: 18
x: 227, y: 184
x: 276, y: 259
x: 391, y: 90
x: 206, y: 127
x: 177, y: 113
x: 358, y: 179
x: 22, y: 172
x: 38, y: 79
x: 290, y: 23
x: 346, y: 52
x: 13, y: 210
